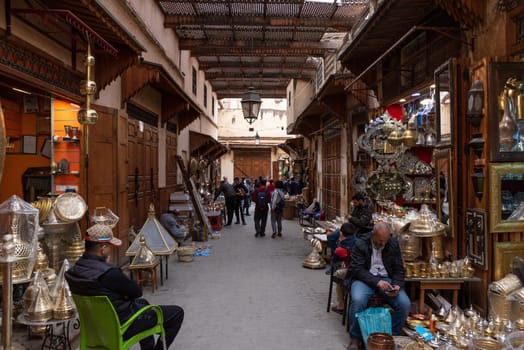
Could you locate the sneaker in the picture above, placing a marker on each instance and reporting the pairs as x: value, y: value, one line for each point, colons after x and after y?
x: 280, y: 234
x: 256, y: 234
x: 262, y: 235
x: 273, y: 235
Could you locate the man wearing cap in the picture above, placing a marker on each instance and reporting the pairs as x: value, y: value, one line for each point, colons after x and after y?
x: 361, y: 214
x: 92, y: 275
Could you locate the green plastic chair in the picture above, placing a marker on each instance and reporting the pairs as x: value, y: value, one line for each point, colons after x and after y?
x: 100, y: 327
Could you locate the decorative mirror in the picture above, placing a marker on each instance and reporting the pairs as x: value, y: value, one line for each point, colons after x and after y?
x: 378, y: 142
x: 444, y: 178
x: 507, y: 192
x: 444, y: 102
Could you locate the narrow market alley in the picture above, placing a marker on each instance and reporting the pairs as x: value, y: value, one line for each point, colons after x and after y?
x: 249, y: 293
x: 252, y: 293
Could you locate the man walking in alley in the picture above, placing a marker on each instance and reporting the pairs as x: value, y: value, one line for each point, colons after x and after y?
x: 262, y: 200
x: 92, y: 275
x: 277, y: 209
x: 230, y: 196
x: 240, y: 193
x: 247, y: 198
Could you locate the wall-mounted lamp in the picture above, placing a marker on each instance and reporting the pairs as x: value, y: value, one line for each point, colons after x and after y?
x: 475, y: 103
x: 257, y: 139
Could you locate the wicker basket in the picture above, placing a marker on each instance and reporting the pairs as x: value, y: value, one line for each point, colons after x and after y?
x: 185, y: 254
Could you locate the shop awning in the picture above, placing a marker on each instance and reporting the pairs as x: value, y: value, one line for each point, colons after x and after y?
x: 330, y: 100
x: 205, y: 146
x: 293, y: 146
x: 393, y: 19
x: 72, y: 23
x: 176, y: 105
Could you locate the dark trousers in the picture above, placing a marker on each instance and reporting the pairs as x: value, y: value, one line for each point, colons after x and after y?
x: 239, y: 211
x: 247, y: 204
x: 260, y: 221
x: 231, y: 203
x: 173, y: 317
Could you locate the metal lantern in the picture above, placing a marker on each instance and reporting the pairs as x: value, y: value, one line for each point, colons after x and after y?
x: 475, y: 103
x: 144, y: 258
x: 251, y: 105
x: 157, y: 238
x: 18, y: 226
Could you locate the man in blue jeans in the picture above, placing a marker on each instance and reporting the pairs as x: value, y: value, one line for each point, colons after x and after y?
x: 377, y: 269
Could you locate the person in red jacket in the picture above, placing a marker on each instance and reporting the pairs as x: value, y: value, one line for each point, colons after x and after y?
x: 342, y: 254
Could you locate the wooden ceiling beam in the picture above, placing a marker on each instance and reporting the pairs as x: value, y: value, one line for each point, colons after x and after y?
x: 232, y: 93
x: 256, y: 45
x: 235, y: 51
x: 297, y: 73
x: 335, y: 24
x: 258, y: 65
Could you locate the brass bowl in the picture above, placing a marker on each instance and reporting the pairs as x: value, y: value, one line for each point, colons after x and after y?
x: 413, y: 323
x: 486, y: 344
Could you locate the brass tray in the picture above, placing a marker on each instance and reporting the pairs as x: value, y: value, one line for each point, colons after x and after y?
x: 70, y: 207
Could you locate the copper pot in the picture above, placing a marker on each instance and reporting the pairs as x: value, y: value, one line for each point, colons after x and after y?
x: 380, y: 341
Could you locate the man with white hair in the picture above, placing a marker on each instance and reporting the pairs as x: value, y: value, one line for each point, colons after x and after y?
x: 377, y: 269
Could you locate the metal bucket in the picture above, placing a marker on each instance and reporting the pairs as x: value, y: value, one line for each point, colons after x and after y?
x: 409, y: 246
x: 428, y: 244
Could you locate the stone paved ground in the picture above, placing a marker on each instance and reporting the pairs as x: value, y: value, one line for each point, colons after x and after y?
x: 249, y: 293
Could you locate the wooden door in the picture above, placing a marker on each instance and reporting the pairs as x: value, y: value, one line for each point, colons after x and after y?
x: 253, y: 163
x: 142, y: 171
x: 331, y: 161
x: 171, y: 165
x: 102, y: 160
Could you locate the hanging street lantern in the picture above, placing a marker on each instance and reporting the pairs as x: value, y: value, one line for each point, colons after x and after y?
x: 251, y: 105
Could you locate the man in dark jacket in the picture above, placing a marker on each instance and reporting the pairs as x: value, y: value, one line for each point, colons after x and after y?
x: 361, y: 214
x: 261, y: 209
x: 240, y: 193
x: 231, y: 199
x: 377, y: 268
x: 92, y: 275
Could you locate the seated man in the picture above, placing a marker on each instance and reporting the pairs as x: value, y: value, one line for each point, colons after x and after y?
x: 312, y: 212
x: 361, y: 215
x: 377, y: 268
x: 342, y: 253
x: 92, y: 275
x: 168, y: 220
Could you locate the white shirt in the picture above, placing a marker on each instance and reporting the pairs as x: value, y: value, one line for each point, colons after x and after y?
x: 377, y: 266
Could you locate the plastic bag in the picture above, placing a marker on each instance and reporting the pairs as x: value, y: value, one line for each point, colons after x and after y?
x: 374, y: 320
